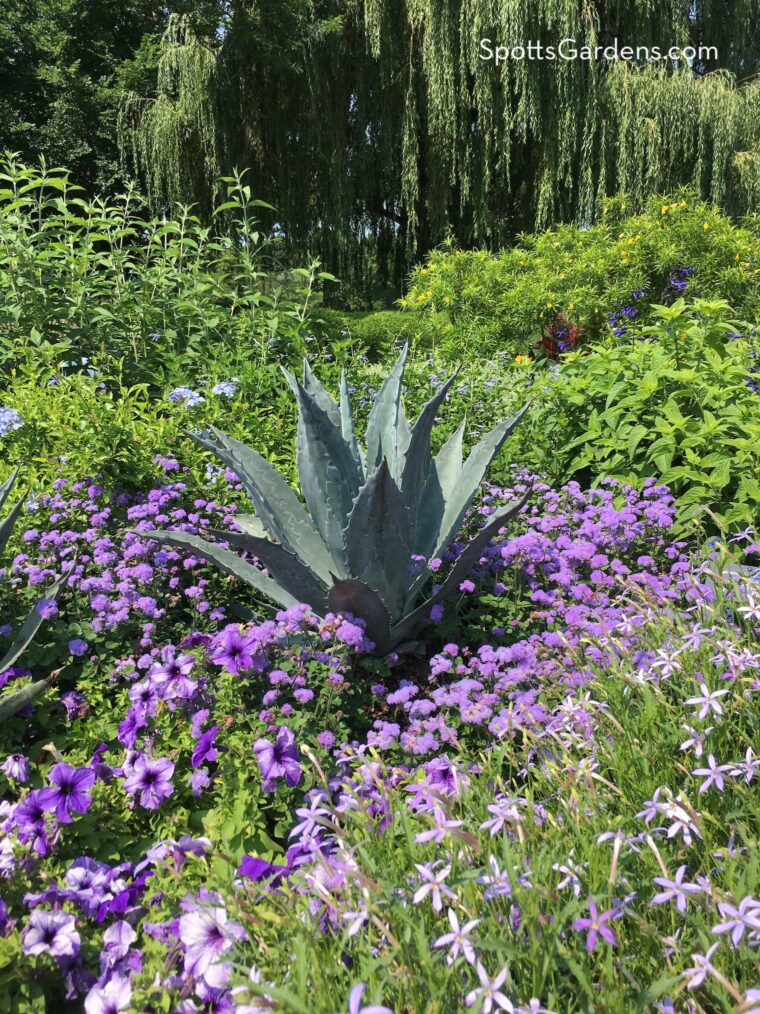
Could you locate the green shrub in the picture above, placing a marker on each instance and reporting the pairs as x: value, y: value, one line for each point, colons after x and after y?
x: 675, y: 401
x: 504, y: 300
x: 88, y: 283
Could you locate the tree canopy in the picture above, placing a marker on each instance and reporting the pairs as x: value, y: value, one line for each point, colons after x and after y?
x: 375, y: 126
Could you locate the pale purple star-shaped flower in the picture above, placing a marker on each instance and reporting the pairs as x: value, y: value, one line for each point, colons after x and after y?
x: 675, y: 889
x: 458, y: 940
x: 596, y: 925
x: 738, y: 918
x: 355, y: 1002
x: 434, y: 885
x: 713, y: 775
x: 701, y: 969
x: 489, y: 992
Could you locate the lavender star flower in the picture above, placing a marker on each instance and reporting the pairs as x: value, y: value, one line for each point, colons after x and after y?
x: 355, y: 1002
x: 489, y: 992
x: 675, y: 889
x: 458, y: 940
x: 596, y: 926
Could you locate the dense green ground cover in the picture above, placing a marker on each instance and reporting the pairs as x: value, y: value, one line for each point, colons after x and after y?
x: 222, y: 807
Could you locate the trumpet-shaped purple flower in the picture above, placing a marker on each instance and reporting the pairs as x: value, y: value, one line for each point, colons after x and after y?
x: 279, y: 759
x: 205, y: 751
x: 16, y: 766
x: 152, y: 778
x: 70, y: 792
x: 233, y: 650
x: 52, y: 933
x: 112, y: 997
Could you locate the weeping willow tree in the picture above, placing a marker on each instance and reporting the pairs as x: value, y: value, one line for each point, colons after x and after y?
x: 378, y: 128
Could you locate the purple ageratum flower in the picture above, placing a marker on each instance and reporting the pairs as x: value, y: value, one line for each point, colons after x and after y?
x: 46, y: 608
x: 152, y: 778
x: 205, y: 751
x: 77, y: 647
x: 279, y: 759
x: 596, y: 926
x: 355, y: 1002
x: 233, y: 650
x: 70, y: 792
x: 17, y: 767
x: 113, y: 997
x: 52, y: 933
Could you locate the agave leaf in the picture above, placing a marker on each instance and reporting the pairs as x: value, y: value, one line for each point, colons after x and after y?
x: 227, y: 561
x: 6, y: 525
x: 30, y: 626
x: 11, y: 704
x: 378, y: 538
x: 329, y: 476
x: 7, y: 486
x: 470, y: 478
x: 387, y: 428
x: 347, y: 425
x: 292, y: 575
x: 418, y: 458
x: 357, y: 598
x: 445, y: 472
x: 414, y: 621
x: 277, y: 506
x: 252, y: 525
x: 315, y: 388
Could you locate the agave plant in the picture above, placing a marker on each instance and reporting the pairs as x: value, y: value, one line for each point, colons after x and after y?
x: 367, y: 513
x: 11, y: 704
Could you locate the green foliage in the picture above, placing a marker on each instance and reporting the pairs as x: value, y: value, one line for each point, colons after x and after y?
x: 502, y: 301
x: 672, y: 402
x: 368, y: 515
x: 95, y: 284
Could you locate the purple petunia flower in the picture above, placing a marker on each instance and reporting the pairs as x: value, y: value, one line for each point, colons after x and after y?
x: 51, y: 932
x: 70, y: 792
x: 207, y: 933
x: 16, y: 766
x: 112, y: 997
x: 233, y: 650
x: 279, y: 759
x: 152, y: 779
x: 205, y: 751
